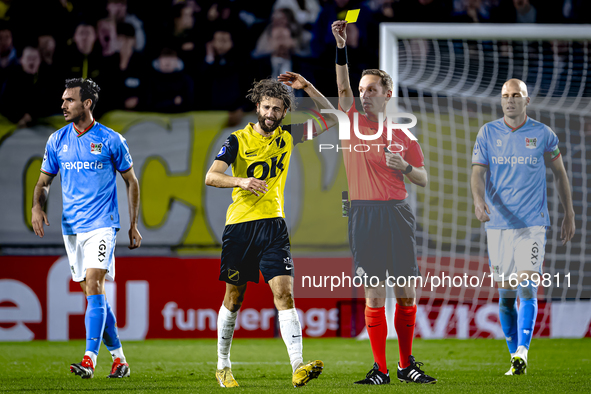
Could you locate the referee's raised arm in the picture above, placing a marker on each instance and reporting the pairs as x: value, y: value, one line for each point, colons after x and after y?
x: 346, y: 98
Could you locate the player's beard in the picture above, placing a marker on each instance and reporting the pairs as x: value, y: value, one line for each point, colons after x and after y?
x: 266, y: 129
x: 75, y: 117
x: 76, y: 120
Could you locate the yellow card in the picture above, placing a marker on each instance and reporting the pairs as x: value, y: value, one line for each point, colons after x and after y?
x: 352, y: 16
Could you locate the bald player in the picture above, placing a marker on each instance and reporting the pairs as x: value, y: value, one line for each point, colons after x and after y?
x: 509, y: 188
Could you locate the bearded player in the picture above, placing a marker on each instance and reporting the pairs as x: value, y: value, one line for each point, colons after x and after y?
x: 509, y: 188
x: 381, y: 223
x: 255, y: 236
x: 88, y: 155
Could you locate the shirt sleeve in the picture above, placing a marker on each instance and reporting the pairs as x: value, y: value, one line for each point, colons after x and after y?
x: 120, y: 154
x: 229, y: 150
x: 297, y: 131
x: 552, y: 145
x: 50, y: 164
x: 414, y: 155
x: 480, y: 152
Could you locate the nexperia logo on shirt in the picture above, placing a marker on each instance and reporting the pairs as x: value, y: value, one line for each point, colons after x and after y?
x: 82, y: 165
x: 512, y: 160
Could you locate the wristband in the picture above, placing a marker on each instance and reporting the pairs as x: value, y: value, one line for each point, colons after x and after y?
x: 342, y: 56
x: 408, y: 170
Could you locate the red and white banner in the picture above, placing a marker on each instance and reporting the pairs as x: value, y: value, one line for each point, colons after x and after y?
x: 153, y: 297
x: 164, y: 297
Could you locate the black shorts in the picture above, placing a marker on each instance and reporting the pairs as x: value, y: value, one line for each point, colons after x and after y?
x: 382, y: 237
x: 252, y: 246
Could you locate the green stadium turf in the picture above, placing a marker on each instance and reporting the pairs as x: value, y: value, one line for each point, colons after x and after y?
x: 260, y: 366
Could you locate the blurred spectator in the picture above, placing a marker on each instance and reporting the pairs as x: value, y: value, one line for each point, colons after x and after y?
x: 223, y: 74
x: 305, y: 11
x: 186, y: 40
x: 183, y: 25
x: 46, y: 44
x: 471, y: 12
x: 232, y: 13
x: 26, y: 95
x: 225, y: 83
x: 171, y: 89
x: 8, y: 56
x: 284, y: 17
x: 30, y: 60
x: 525, y: 11
x: 128, y: 83
x: 219, y: 11
x: 82, y: 57
x: 117, y: 10
x: 576, y: 11
x: 460, y: 6
x: 282, y: 58
x: 106, y: 31
x: 48, y: 70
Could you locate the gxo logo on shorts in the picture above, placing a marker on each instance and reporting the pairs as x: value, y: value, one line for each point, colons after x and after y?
x: 535, y: 250
x: 102, y: 250
x: 82, y: 165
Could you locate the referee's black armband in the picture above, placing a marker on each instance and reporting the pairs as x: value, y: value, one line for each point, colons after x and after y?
x: 342, y: 56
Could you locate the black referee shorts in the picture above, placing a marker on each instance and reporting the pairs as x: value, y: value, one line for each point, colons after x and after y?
x: 252, y: 246
x: 382, y: 237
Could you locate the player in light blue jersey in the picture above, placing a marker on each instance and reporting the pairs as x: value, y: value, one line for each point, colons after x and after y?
x: 88, y: 156
x: 509, y: 188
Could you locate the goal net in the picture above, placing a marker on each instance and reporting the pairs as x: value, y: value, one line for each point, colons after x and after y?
x: 450, y: 77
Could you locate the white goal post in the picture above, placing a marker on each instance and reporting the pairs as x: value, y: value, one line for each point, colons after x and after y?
x: 450, y: 77
x: 390, y: 33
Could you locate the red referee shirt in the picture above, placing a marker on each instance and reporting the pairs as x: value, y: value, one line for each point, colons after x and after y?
x: 368, y: 176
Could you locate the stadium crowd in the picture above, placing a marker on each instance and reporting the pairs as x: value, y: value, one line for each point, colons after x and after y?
x: 179, y: 55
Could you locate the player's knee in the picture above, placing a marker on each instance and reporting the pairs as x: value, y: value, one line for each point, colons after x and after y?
x: 232, y: 307
x: 233, y: 301
x: 405, y: 301
x: 375, y: 302
x: 405, y: 295
x: 93, y: 287
x: 283, y: 300
x: 507, y: 299
x: 527, y: 289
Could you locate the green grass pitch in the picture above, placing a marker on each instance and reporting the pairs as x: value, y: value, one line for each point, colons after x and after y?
x: 261, y: 366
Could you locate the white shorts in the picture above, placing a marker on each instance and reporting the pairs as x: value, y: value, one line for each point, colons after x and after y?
x: 94, y: 249
x: 514, y: 250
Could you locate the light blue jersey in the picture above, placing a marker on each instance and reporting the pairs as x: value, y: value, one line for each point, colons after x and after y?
x: 87, y: 161
x: 516, y: 176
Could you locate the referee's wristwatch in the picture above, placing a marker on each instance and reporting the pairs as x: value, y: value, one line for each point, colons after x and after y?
x: 407, y: 170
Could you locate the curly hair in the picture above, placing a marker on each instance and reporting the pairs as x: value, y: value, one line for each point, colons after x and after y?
x: 270, y: 88
x: 88, y: 89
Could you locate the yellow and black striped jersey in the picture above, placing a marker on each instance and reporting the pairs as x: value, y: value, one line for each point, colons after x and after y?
x: 265, y: 158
